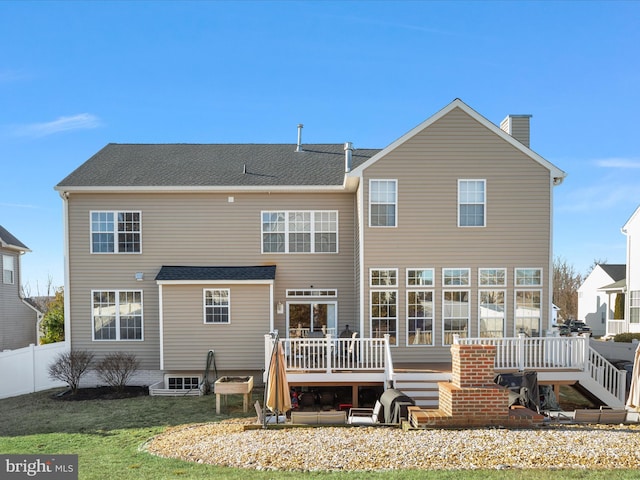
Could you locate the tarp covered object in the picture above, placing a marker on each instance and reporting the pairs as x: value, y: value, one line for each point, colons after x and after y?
x: 523, y: 389
x: 394, y: 402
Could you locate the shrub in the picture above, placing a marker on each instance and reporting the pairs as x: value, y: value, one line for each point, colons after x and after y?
x: 626, y: 337
x: 117, y: 368
x: 70, y: 366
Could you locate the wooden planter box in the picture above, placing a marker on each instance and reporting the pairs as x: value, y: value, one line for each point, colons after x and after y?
x: 233, y: 386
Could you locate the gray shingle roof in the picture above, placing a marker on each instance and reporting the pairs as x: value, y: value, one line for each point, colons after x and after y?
x: 217, y: 273
x: 615, y: 271
x: 10, y: 240
x: 180, y: 165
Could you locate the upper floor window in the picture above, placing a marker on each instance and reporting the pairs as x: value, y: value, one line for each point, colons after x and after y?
x: 492, y: 277
x: 456, y: 277
x: 115, y: 232
x: 419, y: 277
x: 216, y: 305
x: 471, y: 203
x: 8, y: 269
x: 527, y: 277
x: 384, y: 278
x: 300, y: 232
x: 117, y: 315
x: 383, y: 203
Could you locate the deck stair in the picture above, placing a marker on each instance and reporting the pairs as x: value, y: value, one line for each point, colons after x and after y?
x: 421, y: 386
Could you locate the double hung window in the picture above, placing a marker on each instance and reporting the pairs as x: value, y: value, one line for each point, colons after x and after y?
x: 216, y: 306
x: 383, y: 203
x: 455, y: 315
x: 471, y: 203
x: 528, y: 312
x: 300, y: 232
x: 384, y: 303
x: 420, y: 317
x: 115, y: 232
x: 634, y: 306
x: 117, y: 315
x: 8, y: 269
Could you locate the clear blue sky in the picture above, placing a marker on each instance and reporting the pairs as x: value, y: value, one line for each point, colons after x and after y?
x: 75, y: 76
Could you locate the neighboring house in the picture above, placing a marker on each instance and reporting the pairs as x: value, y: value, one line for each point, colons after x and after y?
x: 177, y: 249
x: 597, y: 296
x: 632, y: 306
x: 18, y: 319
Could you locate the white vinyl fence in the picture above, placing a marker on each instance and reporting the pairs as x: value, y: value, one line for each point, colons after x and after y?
x: 24, y: 370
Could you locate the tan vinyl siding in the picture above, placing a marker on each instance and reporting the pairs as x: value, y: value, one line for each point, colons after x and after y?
x: 428, y: 167
x: 200, y: 230
x: 17, y: 320
x: 238, y: 345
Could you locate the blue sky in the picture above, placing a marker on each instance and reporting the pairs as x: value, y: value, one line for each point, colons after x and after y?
x: 75, y: 76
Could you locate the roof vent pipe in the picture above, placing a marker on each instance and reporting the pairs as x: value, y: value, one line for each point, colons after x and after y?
x: 348, y: 153
x: 299, y: 147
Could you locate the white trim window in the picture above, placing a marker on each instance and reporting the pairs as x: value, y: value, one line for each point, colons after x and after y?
x: 472, y: 203
x: 634, y: 306
x: 491, y: 309
x: 384, y: 314
x: 455, y: 315
x: 300, y: 232
x: 381, y: 277
x: 456, y: 277
x: 217, y: 303
x: 528, y: 277
x: 8, y: 270
x: 383, y: 203
x: 117, y: 315
x: 492, y: 277
x: 528, y: 314
x: 420, y: 277
x: 420, y: 317
x: 116, y: 232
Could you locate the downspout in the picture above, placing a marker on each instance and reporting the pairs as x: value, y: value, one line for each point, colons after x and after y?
x: 161, y: 325
x: 550, y: 271
x: 271, y: 307
x: 360, y: 210
x: 67, y: 275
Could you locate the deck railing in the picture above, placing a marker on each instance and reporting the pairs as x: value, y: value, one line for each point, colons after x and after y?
x: 536, y: 353
x: 331, y: 354
x: 554, y: 353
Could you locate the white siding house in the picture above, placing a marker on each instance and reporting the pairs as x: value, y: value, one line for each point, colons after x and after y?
x: 632, y: 306
x: 595, y: 305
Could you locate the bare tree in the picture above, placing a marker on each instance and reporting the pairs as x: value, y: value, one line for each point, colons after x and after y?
x: 594, y: 264
x: 566, y: 282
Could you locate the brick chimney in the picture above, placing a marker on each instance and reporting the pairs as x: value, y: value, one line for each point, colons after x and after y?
x: 518, y: 127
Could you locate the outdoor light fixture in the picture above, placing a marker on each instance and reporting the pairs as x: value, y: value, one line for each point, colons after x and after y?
x: 280, y: 308
x: 139, y: 276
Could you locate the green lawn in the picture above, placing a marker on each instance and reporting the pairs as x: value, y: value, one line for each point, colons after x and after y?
x: 107, y: 435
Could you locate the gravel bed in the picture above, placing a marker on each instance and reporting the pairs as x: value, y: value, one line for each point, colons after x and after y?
x: 554, y: 446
